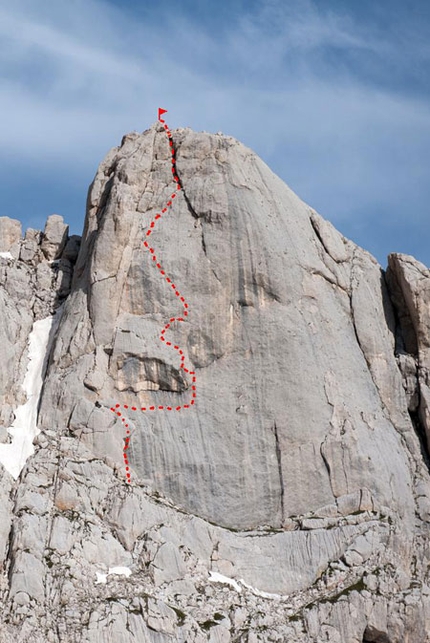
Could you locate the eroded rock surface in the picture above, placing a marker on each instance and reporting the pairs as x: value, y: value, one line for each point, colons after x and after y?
x: 31, y: 288
x: 410, y: 285
x: 10, y: 234
x: 292, y: 503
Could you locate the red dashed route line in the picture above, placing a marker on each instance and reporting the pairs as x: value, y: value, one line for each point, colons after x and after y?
x: 117, y: 407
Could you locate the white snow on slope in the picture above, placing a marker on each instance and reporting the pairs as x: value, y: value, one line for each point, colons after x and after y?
x: 215, y: 577
x: 101, y: 578
x: 6, y: 255
x: 120, y: 571
x: 13, y: 456
x: 258, y: 592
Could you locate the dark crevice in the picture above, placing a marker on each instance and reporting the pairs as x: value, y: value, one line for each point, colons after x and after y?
x: 69, y: 419
x: 321, y: 274
x: 196, y: 216
x: 204, y: 243
x: 421, y: 433
x: 327, y: 466
x: 204, y: 248
x: 405, y: 335
x: 100, y: 211
x: 49, y: 356
x: 406, y: 342
x: 357, y: 337
x: 399, y: 348
x: 390, y: 313
x: 324, y: 459
x: 319, y: 237
x: 134, y: 367
x: 375, y: 635
x: 190, y: 207
x: 281, y: 477
x: 180, y: 184
x: 354, y: 326
x: 98, y: 281
x: 9, y: 553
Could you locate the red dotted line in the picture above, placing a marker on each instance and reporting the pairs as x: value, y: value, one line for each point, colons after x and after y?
x: 116, y: 409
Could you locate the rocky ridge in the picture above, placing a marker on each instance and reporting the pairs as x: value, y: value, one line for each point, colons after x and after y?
x: 293, y: 502
x: 35, y: 278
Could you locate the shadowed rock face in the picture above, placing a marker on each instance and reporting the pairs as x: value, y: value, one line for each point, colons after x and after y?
x: 300, y: 473
x: 32, y: 286
x: 410, y: 285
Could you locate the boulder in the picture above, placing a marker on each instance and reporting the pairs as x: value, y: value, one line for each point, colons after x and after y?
x: 10, y: 233
x: 54, y: 237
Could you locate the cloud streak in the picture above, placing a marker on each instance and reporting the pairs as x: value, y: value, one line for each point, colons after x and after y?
x: 288, y: 79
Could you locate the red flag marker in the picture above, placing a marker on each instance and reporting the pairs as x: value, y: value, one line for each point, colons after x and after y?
x: 162, y: 337
x: 161, y: 111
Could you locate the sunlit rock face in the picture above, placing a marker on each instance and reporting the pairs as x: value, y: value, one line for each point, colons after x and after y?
x: 290, y: 333
x: 291, y: 502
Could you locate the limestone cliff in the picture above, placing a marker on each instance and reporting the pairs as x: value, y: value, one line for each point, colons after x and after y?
x: 291, y: 501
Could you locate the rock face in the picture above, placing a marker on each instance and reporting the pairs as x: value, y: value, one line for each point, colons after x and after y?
x: 31, y: 289
x: 54, y: 237
x: 291, y: 502
x: 410, y: 285
x: 10, y: 234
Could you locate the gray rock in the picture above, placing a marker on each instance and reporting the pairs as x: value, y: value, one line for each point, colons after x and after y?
x: 30, y: 249
x: 411, y: 293
x: 71, y: 249
x: 31, y: 289
x: 54, y: 237
x: 292, y: 501
x: 10, y: 233
x: 257, y: 320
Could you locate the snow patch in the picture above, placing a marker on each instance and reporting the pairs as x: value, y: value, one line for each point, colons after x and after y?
x: 215, y: 577
x: 258, y: 592
x: 6, y: 255
x: 120, y: 571
x: 101, y: 578
x: 24, y: 429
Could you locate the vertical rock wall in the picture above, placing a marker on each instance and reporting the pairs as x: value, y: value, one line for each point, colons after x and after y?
x: 293, y: 502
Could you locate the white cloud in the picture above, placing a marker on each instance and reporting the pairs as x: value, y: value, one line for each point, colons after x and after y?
x: 28, y: 35
x: 79, y: 75
x: 300, y: 25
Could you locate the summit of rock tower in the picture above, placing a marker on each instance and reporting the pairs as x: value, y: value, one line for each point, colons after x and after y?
x: 228, y: 434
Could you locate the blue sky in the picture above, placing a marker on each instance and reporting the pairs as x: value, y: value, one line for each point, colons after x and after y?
x: 333, y: 95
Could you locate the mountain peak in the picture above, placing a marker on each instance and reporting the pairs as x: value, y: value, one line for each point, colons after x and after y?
x: 235, y: 406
